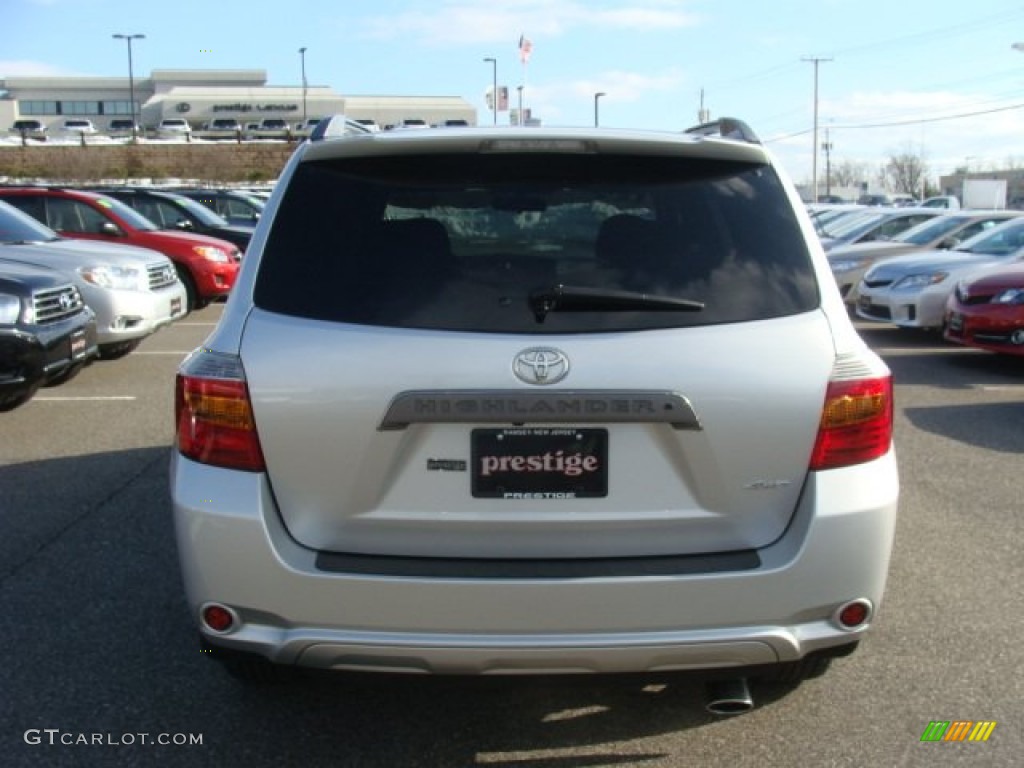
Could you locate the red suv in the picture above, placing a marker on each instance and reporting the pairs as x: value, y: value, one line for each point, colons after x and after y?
x: 206, y: 265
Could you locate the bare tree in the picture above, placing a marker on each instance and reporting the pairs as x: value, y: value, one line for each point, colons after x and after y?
x: 849, y: 174
x: 906, y: 171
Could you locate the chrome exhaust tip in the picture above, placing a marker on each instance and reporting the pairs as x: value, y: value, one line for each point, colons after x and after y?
x: 728, y: 697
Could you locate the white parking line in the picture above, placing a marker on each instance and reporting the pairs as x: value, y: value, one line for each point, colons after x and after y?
x: 205, y: 325
x: 159, y: 352
x: 83, y: 397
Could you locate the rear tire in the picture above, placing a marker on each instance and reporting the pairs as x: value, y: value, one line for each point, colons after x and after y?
x: 65, y: 376
x: 248, y: 668
x: 793, y: 672
x: 192, y: 300
x: 118, y: 349
x: 809, y: 667
x: 12, y: 400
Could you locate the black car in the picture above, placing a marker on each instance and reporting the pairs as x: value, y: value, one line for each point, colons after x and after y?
x: 171, y: 210
x: 236, y: 206
x: 47, y: 333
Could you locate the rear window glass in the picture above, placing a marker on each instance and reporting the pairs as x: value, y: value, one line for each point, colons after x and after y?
x: 468, y: 242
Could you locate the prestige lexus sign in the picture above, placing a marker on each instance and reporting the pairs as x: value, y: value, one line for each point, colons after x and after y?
x: 244, y: 107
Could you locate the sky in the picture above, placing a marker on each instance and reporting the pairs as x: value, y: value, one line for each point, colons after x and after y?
x: 938, y: 79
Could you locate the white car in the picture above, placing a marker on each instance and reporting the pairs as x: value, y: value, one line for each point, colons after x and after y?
x: 78, y: 126
x: 174, y: 127
x: 133, y: 291
x: 911, y: 291
x: 850, y: 262
x: 29, y: 128
x: 494, y: 401
x: 871, y: 225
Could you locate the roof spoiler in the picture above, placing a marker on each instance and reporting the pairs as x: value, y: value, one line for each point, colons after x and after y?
x: 726, y: 128
x: 335, y: 127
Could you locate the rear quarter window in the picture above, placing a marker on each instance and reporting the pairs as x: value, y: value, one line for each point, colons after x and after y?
x: 461, y: 242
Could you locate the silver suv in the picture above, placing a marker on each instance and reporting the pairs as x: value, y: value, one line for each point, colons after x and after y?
x: 545, y: 401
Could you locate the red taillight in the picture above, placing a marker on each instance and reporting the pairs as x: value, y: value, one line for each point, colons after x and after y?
x: 856, y: 423
x: 854, y: 614
x: 214, y: 422
x: 218, y: 618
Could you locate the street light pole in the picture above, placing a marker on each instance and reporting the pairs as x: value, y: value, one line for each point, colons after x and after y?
x: 131, y: 78
x: 494, y: 86
x: 302, y: 55
x: 597, y: 97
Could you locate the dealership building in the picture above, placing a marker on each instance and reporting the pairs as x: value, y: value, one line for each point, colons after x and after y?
x: 200, y: 96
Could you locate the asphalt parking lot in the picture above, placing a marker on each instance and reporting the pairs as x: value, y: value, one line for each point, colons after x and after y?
x: 102, y: 663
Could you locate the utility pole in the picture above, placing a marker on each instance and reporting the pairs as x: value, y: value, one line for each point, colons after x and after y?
x: 816, y: 60
x: 827, y: 146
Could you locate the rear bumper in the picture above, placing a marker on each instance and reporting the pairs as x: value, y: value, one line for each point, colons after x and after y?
x: 234, y: 552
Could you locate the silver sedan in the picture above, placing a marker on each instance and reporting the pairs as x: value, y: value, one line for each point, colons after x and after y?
x: 911, y: 291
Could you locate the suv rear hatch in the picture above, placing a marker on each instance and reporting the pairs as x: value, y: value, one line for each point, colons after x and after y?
x: 556, y: 354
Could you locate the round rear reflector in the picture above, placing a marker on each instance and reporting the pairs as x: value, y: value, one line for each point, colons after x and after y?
x: 218, y: 618
x: 853, y: 614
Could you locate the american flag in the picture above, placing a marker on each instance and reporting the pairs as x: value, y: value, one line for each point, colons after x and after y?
x: 525, y: 49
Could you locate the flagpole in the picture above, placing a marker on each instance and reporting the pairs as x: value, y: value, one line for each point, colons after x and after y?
x: 525, y: 49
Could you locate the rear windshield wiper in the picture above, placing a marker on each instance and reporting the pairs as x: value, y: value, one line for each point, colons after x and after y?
x: 570, y: 298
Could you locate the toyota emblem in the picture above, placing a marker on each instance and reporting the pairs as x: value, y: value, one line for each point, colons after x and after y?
x: 541, y: 365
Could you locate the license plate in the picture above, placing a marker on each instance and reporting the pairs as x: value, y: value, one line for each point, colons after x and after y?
x: 78, y: 345
x: 539, y: 463
x: 176, y: 306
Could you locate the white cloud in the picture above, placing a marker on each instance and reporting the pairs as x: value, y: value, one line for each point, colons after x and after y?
x: 553, y: 101
x: 25, y: 68
x: 465, y: 22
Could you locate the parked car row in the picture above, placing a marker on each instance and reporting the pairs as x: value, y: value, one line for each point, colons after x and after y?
x: 87, y: 274
x: 217, y: 128
x: 958, y: 271
x: 206, y: 266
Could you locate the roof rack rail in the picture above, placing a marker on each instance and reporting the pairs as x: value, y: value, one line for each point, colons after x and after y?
x: 727, y: 128
x: 336, y: 126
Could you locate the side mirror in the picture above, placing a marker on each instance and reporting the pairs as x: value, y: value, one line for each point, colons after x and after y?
x: 949, y: 242
x: 110, y: 228
x: 183, y: 224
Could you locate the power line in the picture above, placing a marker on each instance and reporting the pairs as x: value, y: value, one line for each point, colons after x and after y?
x: 897, y: 123
x: 930, y: 35
x: 856, y: 50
